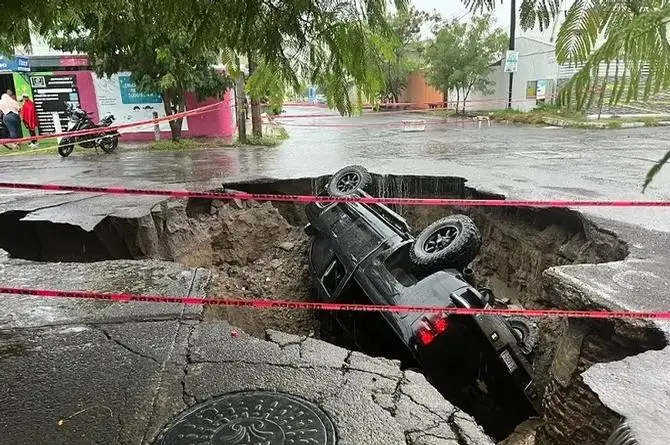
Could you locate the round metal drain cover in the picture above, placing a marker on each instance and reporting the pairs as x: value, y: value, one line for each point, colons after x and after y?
x: 251, y: 418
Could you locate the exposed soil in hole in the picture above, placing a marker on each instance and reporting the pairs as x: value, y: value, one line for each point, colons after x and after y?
x: 258, y: 254
x: 259, y: 250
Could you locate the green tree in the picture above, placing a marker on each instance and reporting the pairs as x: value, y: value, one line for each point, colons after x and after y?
x: 443, y: 56
x: 632, y: 35
x: 161, y: 43
x: 172, y: 45
x: 461, y: 55
x: 15, y: 25
x: 406, y: 51
x: 330, y: 44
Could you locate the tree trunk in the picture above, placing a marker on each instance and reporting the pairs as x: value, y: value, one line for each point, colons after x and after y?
x: 173, y: 102
x: 256, y: 122
x: 466, y: 94
x: 602, y: 89
x: 458, y: 99
x: 241, y: 109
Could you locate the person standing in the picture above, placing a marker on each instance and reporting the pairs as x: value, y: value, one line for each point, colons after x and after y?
x: 9, y: 108
x: 29, y: 117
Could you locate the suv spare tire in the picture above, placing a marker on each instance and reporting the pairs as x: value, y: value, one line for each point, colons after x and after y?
x: 349, y: 180
x: 453, y: 241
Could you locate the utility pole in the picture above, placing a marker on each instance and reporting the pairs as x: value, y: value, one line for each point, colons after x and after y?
x: 241, y: 110
x: 512, y: 30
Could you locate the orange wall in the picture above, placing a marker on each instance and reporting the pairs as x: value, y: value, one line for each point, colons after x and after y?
x: 419, y: 91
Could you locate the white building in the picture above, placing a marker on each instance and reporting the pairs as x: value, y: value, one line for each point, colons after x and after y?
x: 538, y: 75
x: 534, y: 82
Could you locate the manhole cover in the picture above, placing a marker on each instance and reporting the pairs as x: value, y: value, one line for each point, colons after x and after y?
x: 251, y: 418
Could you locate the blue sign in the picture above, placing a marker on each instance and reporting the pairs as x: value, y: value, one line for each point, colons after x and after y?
x: 130, y: 95
x: 22, y: 63
x: 11, y: 64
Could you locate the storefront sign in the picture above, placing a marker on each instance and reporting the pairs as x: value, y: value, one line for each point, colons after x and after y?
x: 118, y: 95
x: 130, y: 95
x: 51, y: 94
x: 16, y: 63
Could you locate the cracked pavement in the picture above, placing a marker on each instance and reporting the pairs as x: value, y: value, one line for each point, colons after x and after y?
x: 117, y: 373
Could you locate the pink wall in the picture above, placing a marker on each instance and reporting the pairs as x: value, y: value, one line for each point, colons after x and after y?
x: 219, y: 123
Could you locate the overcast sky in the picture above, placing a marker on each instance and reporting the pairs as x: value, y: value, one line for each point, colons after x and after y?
x: 454, y: 9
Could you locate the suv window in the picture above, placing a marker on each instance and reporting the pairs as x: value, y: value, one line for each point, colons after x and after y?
x: 334, y: 275
x: 321, y: 255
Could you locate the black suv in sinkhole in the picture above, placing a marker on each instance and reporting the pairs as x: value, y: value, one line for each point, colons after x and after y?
x: 365, y: 253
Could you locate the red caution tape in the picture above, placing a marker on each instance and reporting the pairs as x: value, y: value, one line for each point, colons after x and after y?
x: 392, y: 124
x: 373, y: 113
x: 305, y: 199
x: 201, y: 110
x: 302, y: 305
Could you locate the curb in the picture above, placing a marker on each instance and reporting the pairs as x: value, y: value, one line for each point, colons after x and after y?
x: 600, y: 125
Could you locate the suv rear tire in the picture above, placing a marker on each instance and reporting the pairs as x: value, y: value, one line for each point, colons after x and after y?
x: 453, y: 241
x: 348, y: 181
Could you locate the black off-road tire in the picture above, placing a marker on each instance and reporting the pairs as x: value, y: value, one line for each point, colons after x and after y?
x: 526, y: 332
x: 349, y: 180
x: 458, y: 253
x: 66, y: 147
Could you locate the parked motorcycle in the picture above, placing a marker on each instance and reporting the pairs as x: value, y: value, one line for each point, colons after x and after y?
x: 106, y: 139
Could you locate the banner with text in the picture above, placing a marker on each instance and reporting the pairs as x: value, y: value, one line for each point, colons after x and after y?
x: 118, y: 95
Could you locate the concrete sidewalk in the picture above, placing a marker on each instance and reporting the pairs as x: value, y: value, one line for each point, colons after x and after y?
x: 80, y: 372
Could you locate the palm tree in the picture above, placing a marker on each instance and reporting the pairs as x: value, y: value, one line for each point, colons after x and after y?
x: 619, y: 42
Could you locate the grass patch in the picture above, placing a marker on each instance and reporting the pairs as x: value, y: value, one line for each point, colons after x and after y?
x: 262, y: 141
x: 276, y: 137
x: 183, y: 144
x: 651, y: 121
x: 281, y: 133
x: 441, y: 113
x: 567, y: 118
x: 45, y: 147
x: 538, y: 115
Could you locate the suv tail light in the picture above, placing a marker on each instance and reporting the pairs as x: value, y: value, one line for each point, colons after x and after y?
x: 431, y: 328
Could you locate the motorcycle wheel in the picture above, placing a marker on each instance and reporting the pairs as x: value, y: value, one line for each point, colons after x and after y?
x: 66, y: 147
x: 109, y: 144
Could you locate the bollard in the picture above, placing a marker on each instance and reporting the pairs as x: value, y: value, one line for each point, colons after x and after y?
x: 157, y: 129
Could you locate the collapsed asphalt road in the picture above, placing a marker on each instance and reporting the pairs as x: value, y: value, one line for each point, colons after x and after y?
x: 521, y: 163
x: 101, y: 373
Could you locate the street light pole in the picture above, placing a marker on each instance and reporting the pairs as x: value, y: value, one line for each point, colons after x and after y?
x: 512, y: 29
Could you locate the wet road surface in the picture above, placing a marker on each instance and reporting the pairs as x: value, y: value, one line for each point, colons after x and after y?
x: 518, y: 161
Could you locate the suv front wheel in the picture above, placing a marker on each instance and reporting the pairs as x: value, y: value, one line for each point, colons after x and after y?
x: 453, y: 241
x: 348, y: 181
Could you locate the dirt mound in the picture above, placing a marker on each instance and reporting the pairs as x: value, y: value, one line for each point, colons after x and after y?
x: 258, y: 254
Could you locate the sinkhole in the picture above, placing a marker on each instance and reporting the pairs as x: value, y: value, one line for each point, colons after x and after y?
x: 260, y: 250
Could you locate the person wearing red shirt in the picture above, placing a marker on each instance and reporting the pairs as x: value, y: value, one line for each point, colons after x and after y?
x: 29, y: 117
